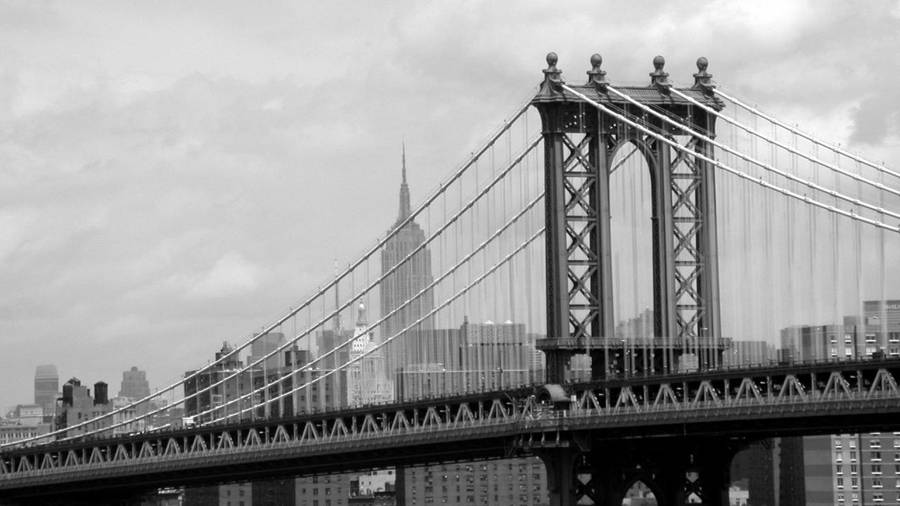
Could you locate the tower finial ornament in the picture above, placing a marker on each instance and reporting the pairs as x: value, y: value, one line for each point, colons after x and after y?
x: 552, y: 85
x: 703, y: 79
x: 597, y: 76
x: 659, y: 77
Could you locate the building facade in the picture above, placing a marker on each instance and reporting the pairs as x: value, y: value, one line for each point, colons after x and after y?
x: 46, y: 388
x: 407, y: 279
x: 844, y: 469
x: 520, y: 481
x: 367, y: 378
x: 77, y: 405
x: 134, y: 384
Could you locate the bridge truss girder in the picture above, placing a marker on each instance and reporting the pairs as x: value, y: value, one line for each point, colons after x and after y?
x: 789, y: 400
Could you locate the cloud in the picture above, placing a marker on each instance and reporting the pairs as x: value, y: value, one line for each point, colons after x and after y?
x: 875, y: 119
x: 231, y: 275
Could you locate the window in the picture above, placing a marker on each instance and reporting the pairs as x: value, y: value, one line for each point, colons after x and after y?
x: 840, y: 482
x: 874, y: 443
x: 876, y: 468
x: 876, y: 456
x: 877, y: 483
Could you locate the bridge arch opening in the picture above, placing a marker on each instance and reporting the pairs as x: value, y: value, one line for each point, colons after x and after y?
x: 639, y: 494
x: 631, y: 190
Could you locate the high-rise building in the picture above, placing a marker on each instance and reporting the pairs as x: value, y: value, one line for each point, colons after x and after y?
x: 134, y: 384
x: 46, y: 388
x: 844, y: 469
x: 746, y: 353
x: 264, y: 345
x: 367, y: 380
x: 225, y: 390
x: 478, y: 357
x: 881, y: 332
x: 407, y: 280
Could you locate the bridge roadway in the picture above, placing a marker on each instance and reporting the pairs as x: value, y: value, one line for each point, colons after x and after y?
x: 737, y: 405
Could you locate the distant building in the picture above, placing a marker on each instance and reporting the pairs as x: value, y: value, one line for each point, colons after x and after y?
x: 212, y: 393
x: 639, y: 327
x: 881, y: 333
x: 809, y: 343
x: 205, y: 402
x: 513, y: 482
x: 46, y: 388
x: 479, y: 357
x: 367, y: 379
x: 23, y: 422
x: 134, y: 384
x: 265, y: 345
x: 27, y: 414
x: 77, y: 405
x: 746, y: 353
x: 11, y: 430
x: 843, y: 469
x: 403, y: 284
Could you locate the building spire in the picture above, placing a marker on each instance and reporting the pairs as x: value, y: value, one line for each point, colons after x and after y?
x: 404, y: 191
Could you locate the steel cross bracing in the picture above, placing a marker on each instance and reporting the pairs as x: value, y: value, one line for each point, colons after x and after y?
x: 580, y: 188
x: 580, y: 144
x: 765, y: 401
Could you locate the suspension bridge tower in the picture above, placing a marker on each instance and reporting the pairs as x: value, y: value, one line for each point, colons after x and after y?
x: 580, y: 142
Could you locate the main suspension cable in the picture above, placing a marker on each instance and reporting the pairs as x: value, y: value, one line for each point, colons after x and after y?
x: 457, y: 295
x: 806, y: 136
x: 759, y: 181
x: 752, y: 160
x: 375, y: 324
x: 473, y: 158
x: 781, y: 145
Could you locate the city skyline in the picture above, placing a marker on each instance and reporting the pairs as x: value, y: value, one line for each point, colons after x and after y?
x: 105, y: 246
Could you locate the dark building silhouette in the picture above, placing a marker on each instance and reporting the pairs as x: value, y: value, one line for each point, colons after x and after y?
x: 77, y: 405
x: 405, y: 282
x: 754, y: 468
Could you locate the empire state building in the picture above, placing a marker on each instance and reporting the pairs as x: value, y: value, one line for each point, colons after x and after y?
x: 403, y: 284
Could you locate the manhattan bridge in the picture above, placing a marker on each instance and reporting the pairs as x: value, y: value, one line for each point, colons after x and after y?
x: 632, y: 237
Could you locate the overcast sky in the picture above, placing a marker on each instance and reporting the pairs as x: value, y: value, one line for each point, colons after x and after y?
x: 173, y: 174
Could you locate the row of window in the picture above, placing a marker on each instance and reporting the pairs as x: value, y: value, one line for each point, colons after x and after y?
x: 854, y: 483
x: 854, y: 469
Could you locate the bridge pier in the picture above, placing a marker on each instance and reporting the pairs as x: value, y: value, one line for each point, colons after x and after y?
x: 678, y: 472
x: 560, y: 464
